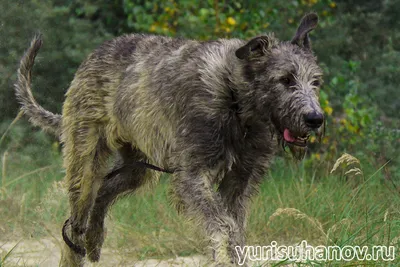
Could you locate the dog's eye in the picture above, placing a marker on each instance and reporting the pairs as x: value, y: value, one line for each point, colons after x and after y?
x: 316, y: 83
x: 288, y: 81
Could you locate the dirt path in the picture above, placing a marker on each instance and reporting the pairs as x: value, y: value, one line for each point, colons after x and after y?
x: 46, y: 253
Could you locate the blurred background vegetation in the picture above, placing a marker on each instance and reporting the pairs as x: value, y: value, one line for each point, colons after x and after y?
x: 357, y: 44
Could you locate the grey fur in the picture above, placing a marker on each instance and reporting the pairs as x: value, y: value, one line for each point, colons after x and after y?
x: 45, y: 119
x: 210, y: 110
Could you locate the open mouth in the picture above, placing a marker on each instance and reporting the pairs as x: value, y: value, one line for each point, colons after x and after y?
x: 295, y: 140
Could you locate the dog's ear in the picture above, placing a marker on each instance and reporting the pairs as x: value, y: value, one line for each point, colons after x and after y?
x: 254, y: 48
x: 308, y: 23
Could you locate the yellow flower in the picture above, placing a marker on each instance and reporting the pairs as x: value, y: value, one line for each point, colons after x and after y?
x: 328, y: 110
x: 231, y: 21
x: 313, y: 139
x: 309, y: 2
x: 325, y: 140
x: 153, y: 28
x: 165, y: 29
x: 290, y: 21
x: 318, y: 156
x: 352, y: 129
x: 332, y: 4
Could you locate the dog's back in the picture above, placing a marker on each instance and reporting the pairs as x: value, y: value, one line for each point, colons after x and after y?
x: 145, y: 90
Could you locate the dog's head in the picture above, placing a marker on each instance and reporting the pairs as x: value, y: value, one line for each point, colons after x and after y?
x: 285, y: 80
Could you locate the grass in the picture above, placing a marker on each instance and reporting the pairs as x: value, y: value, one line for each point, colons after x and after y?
x: 295, y: 203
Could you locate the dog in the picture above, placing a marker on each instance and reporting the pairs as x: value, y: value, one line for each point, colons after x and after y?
x: 212, y: 113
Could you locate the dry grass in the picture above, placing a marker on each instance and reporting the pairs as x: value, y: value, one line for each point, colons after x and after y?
x: 347, y: 205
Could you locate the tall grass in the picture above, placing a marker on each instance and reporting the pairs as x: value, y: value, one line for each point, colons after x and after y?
x: 295, y: 203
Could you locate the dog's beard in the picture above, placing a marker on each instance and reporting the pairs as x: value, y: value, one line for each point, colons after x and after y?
x: 298, y: 152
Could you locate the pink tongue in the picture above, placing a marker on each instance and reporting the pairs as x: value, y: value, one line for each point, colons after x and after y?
x: 288, y: 136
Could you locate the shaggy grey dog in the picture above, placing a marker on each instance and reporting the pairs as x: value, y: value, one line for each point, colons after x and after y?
x: 210, y: 112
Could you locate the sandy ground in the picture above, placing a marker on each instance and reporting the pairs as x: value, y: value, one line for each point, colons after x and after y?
x: 46, y: 253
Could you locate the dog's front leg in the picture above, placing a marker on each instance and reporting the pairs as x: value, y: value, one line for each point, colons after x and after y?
x: 236, y: 190
x: 194, y: 189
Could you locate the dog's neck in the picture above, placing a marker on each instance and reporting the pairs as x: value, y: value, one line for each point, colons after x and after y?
x: 243, y: 101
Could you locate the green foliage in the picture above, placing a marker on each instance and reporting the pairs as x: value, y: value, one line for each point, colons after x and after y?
x: 212, y: 19
x: 67, y: 41
x: 27, y: 144
x: 354, y: 124
x: 357, y: 112
x: 366, y: 32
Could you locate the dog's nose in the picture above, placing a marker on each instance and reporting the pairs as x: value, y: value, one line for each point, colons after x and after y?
x: 314, y: 119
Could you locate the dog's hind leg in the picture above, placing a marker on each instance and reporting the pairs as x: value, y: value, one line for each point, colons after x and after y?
x: 123, y: 179
x: 85, y: 156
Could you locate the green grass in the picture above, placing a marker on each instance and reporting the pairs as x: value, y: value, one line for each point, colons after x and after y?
x: 294, y: 203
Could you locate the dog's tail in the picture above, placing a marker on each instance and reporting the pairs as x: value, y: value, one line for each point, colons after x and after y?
x: 38, y: 116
